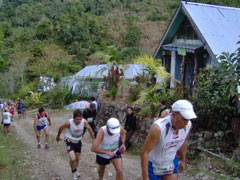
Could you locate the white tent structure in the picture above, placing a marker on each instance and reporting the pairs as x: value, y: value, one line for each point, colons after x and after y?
x: 96, y: 73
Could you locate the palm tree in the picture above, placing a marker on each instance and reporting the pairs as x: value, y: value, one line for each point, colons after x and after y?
x: 154, y: 67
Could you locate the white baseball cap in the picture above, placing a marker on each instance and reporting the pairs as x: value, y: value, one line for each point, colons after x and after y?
x: 185, y: 108
x: 113, y: 125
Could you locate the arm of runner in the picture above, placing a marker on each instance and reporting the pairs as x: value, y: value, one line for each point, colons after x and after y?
x: 123, y: 138
x: 86, y: 125
x: 151, y: 140
x: 61, y: 128
x: 35, y: 124
x: 96, y: 143
x: 49, y: 121
x: 183, y: 154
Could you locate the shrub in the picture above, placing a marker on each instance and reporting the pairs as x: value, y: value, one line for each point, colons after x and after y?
x: 216, y: 93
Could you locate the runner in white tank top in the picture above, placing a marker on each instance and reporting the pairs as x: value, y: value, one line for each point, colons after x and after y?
x: 6, y: 121
x: 106, y: 145
x: 165, y: 138
x: 42, y: 121
x: 73, y: 138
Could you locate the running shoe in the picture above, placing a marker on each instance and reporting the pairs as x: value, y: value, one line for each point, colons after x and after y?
x: 74, y: 176
x: 46, y: 146
x: 39, y: 146
x: 78, y: 174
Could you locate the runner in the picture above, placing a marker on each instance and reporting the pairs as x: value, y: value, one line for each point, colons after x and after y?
x: 166, y: 137
x: 24, y: 114
x: 6, y: 120
x: 19, y: 109
x: 73, y: 138
x: 42, y: 122
x: 12, y: 110
x: 106, y: 145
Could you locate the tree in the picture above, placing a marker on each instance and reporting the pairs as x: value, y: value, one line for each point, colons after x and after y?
x: 54, y: 62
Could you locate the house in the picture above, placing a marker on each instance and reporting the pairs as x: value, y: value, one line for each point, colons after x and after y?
x: 196, y: 35
x: 94, y: 74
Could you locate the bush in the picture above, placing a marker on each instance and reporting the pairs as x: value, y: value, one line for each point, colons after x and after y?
x: 216, y: 93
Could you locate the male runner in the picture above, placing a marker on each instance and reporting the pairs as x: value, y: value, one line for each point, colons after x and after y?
x: 106, y: 145
x: 166, y: 137
x: 73, y: 138
x: 42, y: 122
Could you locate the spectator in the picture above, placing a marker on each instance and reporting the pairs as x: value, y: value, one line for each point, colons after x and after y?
x: 93, y: 99
x: 164, y: 111
x: 130, y: 125
x: 90, y: 115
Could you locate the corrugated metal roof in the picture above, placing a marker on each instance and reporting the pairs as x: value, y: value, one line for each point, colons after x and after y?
x: 218, y: 25
x: 94, y: 71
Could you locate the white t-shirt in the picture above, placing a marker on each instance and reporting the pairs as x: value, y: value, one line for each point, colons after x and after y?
x: 6, y: 118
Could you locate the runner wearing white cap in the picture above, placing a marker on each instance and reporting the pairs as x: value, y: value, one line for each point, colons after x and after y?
x: 106, y: 145
x: 166, y: 137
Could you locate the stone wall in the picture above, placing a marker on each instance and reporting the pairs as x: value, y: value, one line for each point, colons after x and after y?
x: 108, y: 109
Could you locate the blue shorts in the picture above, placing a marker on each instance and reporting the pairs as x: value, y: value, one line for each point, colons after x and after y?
x: 153, y: 177
x: 39, y: 128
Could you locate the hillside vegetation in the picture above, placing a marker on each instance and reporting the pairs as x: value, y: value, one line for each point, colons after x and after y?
x: 57, y: 38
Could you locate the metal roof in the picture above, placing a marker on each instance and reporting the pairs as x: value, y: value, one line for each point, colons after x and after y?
x: 94, y: 71
x: 219, y: 26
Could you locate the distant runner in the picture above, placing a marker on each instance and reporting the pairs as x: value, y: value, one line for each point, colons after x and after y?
x: 6, y: 120
x: 42, y: 122
x: 12, y: 111
x: 73, y: 138
x: 106, y: 145
x: 24, y: 114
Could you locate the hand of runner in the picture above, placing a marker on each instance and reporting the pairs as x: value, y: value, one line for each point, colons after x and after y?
x: 182, y: 166
x: 110, y: 154
x: 122, y: 148
x: 58, y: 139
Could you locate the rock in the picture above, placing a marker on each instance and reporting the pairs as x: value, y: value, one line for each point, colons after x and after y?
x: 215, y: 135
x: 204, y: 165
x: 200, y: 174
x: 94, y: 169
x: 110, y: 174
x: 207, y: 135
x: 200, y: 135
x: 200, y: 140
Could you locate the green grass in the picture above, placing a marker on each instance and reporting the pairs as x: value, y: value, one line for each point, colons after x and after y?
x: 12, y: 157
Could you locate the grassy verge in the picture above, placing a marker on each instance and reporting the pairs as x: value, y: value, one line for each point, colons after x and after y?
x: 12, y: 157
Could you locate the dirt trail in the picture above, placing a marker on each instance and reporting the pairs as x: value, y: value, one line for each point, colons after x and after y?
x: 53, y: 163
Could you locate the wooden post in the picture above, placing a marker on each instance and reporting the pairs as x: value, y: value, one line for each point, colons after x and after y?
x: 183, y: 73
x: 195, y: 73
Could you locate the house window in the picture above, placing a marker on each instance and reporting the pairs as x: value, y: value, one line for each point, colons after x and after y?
x: 186, y: 31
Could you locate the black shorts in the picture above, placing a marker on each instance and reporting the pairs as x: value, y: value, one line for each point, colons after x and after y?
x: 103, y: 161
x: 6, y: 124
x: 76, y: 147
x: 19, y: 112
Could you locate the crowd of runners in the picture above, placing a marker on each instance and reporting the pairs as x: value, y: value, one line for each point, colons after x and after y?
x: 163, y: 154
x: 8, y: 109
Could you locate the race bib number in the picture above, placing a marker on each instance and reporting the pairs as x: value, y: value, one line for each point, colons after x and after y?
x: 90, y: 120
x: 161, y: 169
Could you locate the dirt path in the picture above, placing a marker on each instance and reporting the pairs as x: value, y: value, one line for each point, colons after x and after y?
x: 53, y: 163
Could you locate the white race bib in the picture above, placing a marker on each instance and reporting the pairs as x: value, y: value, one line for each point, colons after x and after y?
x: 161, y: 169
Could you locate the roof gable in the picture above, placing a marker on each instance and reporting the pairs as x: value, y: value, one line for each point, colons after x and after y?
x: 218, y: 27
